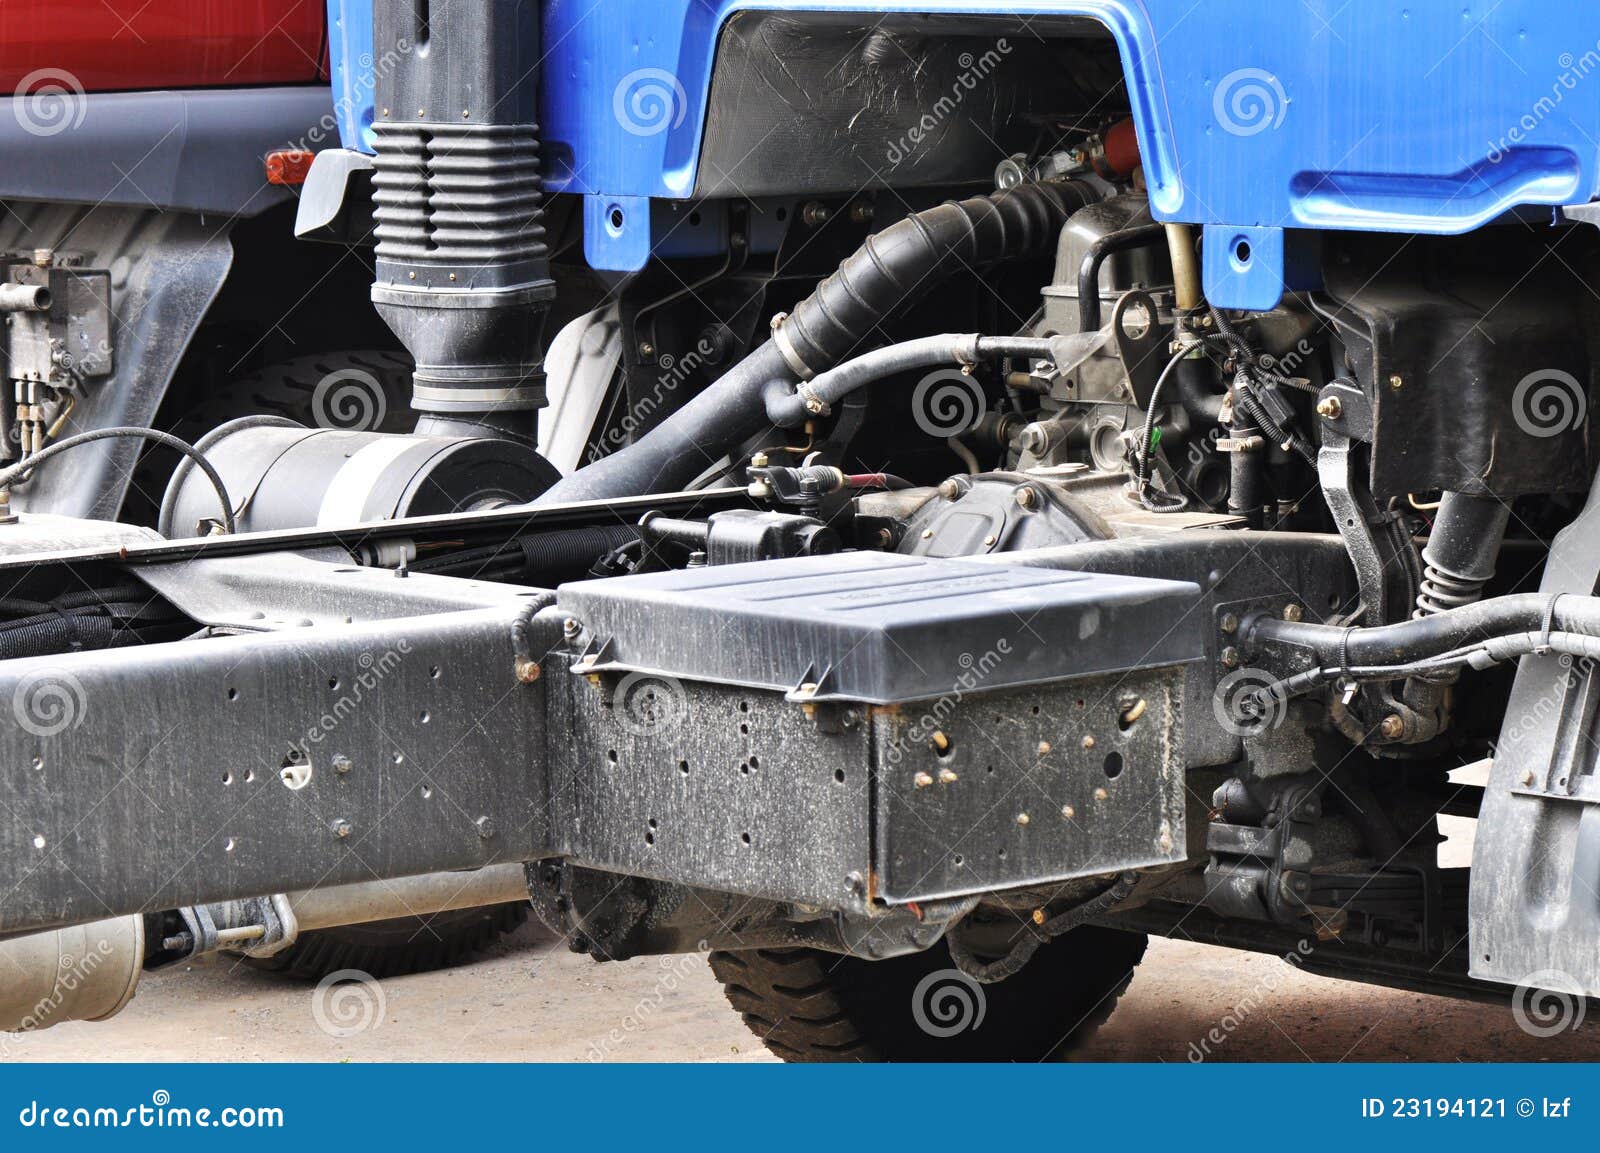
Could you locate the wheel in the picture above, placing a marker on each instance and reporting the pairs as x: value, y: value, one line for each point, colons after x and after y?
x: 807, y: 1005
x: 395, y: 948
x: 364, y: 390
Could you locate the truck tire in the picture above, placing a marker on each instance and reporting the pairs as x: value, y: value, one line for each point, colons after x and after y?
x: 808, y: 1005
x: 395, y: 948
x: 365, y: 390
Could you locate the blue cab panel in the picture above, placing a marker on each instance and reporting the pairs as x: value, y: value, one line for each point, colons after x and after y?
x: 1253, y: 118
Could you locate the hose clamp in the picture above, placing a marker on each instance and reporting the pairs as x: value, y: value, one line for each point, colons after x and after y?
x: 786, y: 348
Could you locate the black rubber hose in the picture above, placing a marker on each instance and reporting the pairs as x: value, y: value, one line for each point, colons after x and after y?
x: 1139, y: 236
x: 1430, y: 636
x: 889, y: 272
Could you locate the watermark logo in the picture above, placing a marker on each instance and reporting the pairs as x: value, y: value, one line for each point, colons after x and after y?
x: 648, y: 703
x: 948, y: 1002
x: 1547, y: 1003
x: 49, y: 701
x: 1248, y: 702
x: 947, y: 403
x: 348, y: 1002
x: 49, y: 101
x: 350, y: 400
x: 1249, y: 101
x: 648, y: 101
x: 1549, y: 402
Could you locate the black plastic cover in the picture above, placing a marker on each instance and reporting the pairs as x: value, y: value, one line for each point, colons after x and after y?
x: 883, y: 628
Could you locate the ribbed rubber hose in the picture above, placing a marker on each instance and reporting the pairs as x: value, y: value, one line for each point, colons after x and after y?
x: 889, y: 272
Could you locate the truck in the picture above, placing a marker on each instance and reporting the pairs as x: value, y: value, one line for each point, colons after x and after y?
x: 906, y: 498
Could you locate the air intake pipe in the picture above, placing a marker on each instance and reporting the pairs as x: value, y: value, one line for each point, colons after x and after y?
x: 462, y: 269
x: 889, y: 272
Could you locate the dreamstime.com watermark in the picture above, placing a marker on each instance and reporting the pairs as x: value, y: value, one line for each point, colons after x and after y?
x: 1234, y: 1018
x: 1574, y: 70
x: 674, y: 971
x: 974, y: 70
x: 75, y: 971
x: 675, y: 370
x: 373, y: 669
x: 1249, y: 101
x: 1549, y: 402
x: 947, y: 1002
x: 975, y: 671
x: 348, y: 1003
x: 48, y: 702
x: 159, y: 1113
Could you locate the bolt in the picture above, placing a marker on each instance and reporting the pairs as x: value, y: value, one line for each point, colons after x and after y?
x: 647, y: 350
x: 759, y: 460
x: 1392, y: 728
x: 940, y: 741
x: 1396, y: 382
x: 570, y: 627
x: 1229, y: 623
x: 862, y: 212
x: 815, y: 213
x: 927, y: 534
x: 527, y: 671
x: 1230, y: 658
x: 884, y: 538
x: 948, y: 777
x: 1330, y: 407
x: 485, y: 827
x: 814, y: 407
x: 950, y: 489
x: 1038, y: 917
x: 341, y: 763
x: 43, y: 257
x: 922, y: 780
x: 1293, y: 613
x: 1022, y: 818
x: 1101, y: 794
x: 854, y: 882
x: 342, y: 828
x: 988, y: 541
x: 1035, y: 439
x: 1088, y: 740
x: 1044, y: 748
x: 1068, y: 812
x: 1027, y: 498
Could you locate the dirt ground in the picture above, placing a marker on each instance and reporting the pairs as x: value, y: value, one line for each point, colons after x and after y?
x: 532, y: 1000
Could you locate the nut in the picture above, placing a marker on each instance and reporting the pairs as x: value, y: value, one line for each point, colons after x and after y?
x: 1230, y: 658
x: 922, y: 780
x: 1027, y: 498
x: 1022, y: 818
x: 1393, y: 727
x: 1330, y: 407
x: 950, y: 489
x: 948, y: 777
x: 342, y: 828
x: 1068, y: 812
x: 1293, y: 613
x: 1044, y: 748
x: 1088, y: 740
x: 1396, y: 382
x: 341, y: 763
x: 485, y: 827
x: 1229, y: 623
x: 527, y: 671
x: 1039, y: 917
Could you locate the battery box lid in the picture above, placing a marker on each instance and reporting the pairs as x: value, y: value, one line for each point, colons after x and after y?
x: 882, y: 628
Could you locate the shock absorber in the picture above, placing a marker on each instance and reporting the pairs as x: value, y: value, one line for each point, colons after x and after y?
x: 462, y: 268
x: 1462, y: 548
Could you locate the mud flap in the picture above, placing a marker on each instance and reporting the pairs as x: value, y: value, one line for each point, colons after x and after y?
x: 1535, y: 901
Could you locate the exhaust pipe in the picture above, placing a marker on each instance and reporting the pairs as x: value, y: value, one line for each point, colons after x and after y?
x: 89, y: 972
